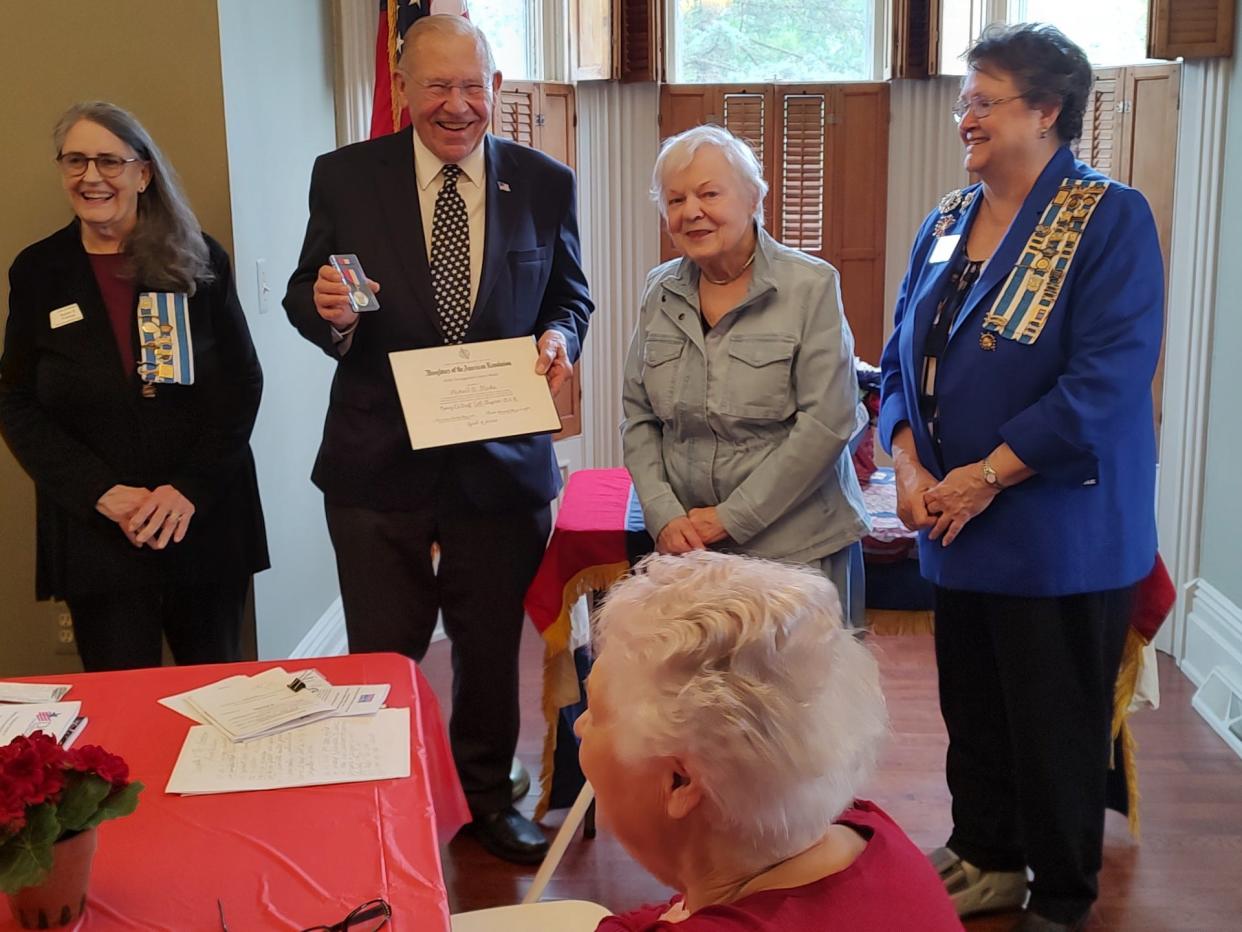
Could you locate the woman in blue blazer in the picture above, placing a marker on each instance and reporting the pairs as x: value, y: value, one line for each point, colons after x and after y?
x: 1017, y: 406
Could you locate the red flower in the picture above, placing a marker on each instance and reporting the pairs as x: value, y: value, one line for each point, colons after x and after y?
x: 32, y: 770
x: 91, y: 758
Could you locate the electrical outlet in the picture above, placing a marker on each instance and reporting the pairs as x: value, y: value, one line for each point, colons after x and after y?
x: 65, y: 644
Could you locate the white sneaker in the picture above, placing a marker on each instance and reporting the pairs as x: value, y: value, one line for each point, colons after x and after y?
x: 978, y: 891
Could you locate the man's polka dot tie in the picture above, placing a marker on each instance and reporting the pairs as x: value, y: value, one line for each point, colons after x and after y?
x: 450, y: 258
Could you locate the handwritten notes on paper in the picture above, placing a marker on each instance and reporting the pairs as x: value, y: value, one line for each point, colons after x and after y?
x: 350, y: 749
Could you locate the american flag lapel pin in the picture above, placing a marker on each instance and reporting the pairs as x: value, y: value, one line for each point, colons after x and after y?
x: 503, y: 185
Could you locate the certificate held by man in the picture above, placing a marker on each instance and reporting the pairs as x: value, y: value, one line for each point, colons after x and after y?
x: 473, y: 391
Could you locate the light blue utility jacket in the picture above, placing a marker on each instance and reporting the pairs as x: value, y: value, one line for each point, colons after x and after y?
x: 753, y: 416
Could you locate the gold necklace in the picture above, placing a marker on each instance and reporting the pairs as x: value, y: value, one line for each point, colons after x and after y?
x: 730, y: 281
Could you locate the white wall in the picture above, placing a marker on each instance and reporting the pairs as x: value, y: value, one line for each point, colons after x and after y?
x: 617, y: 142
x: 276, y: 61
x: 924, y: 163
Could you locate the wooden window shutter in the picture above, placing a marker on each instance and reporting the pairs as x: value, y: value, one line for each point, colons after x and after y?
x: 640, y: 40
x: 803, y: 136
x: 514, y: 117
x: 1190, y: 28
x: 1099, y: 145
x: 856, y: 214
x: 745, y: 115
x: 556, y: 123
x: 916, y: 38
x: 590, y: 40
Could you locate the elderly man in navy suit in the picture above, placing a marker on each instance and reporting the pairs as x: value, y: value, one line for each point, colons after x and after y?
x: 472, y: 238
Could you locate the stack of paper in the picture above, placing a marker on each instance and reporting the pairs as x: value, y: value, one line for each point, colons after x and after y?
x: 32, y: 692
x: 52, y: 718
x: 349, y: 749
x: 246, y: 707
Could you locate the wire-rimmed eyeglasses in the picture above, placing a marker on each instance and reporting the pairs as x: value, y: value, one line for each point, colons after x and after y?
x: 981, y: 107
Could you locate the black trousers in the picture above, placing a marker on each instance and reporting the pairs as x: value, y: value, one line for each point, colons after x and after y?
x: 124, y: 630
x: 1026, y: 690
x: 392, y: 595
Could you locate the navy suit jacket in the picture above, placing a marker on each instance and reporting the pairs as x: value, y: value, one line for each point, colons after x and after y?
x: 364, y: 200
x: 1075, y: 405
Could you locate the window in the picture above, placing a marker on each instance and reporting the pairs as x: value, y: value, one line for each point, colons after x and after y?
x: 787, y: 41
x: 511, y: 28
x: 1111, y: 32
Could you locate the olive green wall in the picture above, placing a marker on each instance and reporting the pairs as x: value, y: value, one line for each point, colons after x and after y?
x: 162, y: 61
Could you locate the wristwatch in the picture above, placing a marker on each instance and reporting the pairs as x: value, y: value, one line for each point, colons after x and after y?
x: 990, y: 476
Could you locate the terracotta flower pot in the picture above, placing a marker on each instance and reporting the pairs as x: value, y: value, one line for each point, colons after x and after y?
x: 61, y: 898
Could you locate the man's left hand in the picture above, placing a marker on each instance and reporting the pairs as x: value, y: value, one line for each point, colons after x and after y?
x: 960, y: 496
x: 553, y: 359
x: 707, y: 523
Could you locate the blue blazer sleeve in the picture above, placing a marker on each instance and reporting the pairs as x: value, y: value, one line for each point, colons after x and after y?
x: 894, y: 408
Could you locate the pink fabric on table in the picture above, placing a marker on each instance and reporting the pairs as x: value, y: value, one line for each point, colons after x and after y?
x: 276, y: 859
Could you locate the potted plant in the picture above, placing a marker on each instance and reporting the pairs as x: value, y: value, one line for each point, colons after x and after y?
x: 51, y: 801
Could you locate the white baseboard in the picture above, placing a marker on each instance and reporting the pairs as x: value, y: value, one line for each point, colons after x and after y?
x: 1213, y: 642
x: 327, y: 637
x: 1213, y: 632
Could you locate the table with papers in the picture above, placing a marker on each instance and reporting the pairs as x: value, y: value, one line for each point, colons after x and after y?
x: 277, y: 859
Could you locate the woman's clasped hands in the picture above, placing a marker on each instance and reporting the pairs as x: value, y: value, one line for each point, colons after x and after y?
x: 148, y: 517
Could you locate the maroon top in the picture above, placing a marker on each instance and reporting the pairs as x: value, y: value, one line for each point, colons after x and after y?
x: 119, y: 296
x: 891, y: 887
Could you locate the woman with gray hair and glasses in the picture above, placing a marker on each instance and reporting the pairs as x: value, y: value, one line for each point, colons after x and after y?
x: 740, y: 392
x: 732, y: 723
x: 149, y: 522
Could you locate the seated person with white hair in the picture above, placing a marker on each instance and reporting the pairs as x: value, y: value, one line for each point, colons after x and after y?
x: 732, y: 720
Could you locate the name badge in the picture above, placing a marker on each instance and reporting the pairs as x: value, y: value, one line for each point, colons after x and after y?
x: 944, y: 249
x: 69, y: 314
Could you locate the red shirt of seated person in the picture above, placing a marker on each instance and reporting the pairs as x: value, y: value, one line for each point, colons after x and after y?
x: 730, y: 726
x: 890, y: 887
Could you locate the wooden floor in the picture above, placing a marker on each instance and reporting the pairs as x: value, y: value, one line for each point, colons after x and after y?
x: 1185, y: 876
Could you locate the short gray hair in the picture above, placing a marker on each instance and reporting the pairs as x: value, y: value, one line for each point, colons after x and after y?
x: 166, y: 248
x: 741, y: 668
x: 442, y: 25
x: 678, y: 151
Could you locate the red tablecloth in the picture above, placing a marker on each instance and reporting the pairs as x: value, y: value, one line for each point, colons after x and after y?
x: 281, y: 859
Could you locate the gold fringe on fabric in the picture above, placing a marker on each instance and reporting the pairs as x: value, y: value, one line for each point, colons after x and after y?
x: 560, y: 676
x: 392, y: 64
x: 1127, y: 681
x: 886, y: 622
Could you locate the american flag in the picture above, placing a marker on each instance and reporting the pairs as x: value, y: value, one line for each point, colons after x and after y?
x: 395, y: 17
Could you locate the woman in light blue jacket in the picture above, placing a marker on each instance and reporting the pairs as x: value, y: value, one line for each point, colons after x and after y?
x: 740, y: 392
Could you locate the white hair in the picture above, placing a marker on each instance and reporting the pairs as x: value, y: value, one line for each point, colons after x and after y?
x: 678, y: 151
x: 741, y: 668
x: 442, y: 25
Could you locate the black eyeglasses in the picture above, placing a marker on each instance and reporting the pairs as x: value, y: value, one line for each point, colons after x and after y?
x: 371, y: 915
x: 74, y: 164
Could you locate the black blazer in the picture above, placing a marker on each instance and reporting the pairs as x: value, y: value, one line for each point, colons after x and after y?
x: 79, y: 424
x: 364, y: 200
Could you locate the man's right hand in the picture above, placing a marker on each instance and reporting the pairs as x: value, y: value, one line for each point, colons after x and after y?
x: 332, y: 298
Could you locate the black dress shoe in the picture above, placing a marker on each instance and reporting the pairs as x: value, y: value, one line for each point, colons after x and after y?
x: 510, y: 836
x: 519, y: 776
